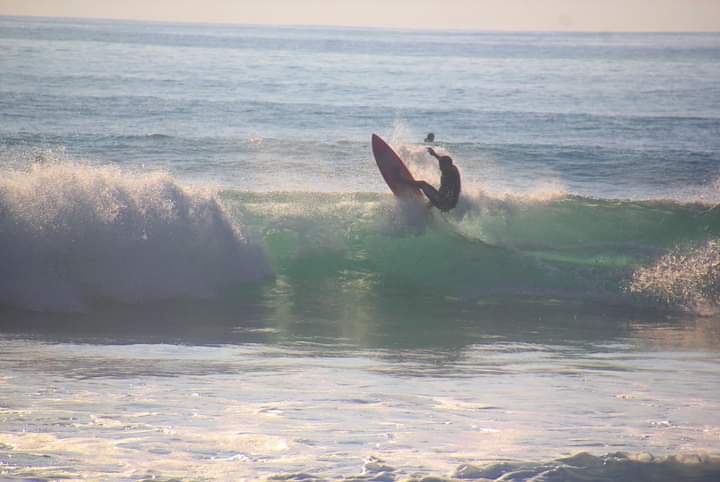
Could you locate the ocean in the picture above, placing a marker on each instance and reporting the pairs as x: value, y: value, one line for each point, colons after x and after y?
x: 203, y: 275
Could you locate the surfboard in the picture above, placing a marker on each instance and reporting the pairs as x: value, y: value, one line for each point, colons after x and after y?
x: 393, y: 170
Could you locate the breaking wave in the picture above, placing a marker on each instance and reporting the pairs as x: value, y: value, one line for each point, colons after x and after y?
x: 561, y: 246
x: 71, y: 234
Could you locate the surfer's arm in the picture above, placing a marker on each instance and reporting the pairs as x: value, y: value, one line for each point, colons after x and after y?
x: 433, y: 153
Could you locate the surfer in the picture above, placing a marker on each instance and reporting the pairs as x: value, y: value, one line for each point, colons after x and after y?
x: 447, y: 196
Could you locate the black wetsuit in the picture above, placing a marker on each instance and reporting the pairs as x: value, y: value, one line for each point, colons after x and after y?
x: 447, y: 196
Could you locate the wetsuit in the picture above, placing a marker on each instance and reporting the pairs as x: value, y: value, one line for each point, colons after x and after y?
x: 447, y: 196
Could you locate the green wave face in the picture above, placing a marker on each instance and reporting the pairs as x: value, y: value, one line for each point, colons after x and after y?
x: 337, y: 248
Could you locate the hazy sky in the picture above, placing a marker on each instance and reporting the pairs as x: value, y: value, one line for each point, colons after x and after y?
x: 603, y: 15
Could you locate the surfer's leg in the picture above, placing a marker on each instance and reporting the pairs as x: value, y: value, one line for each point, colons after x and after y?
x: 432, y: 194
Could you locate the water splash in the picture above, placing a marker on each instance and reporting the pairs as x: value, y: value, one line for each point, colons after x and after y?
x: 690, y: 278
x: 71, y: 233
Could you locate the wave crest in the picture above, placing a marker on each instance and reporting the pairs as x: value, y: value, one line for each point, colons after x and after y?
x: 71, y: 233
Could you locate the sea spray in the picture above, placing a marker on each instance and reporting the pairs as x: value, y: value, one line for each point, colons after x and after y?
x: 71, y: 233
x: 688, y: 277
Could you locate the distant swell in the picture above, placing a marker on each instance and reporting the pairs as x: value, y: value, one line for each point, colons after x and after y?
x: 71, y: 234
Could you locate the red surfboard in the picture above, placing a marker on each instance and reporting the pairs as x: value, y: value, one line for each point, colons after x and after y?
x: 393, y: 170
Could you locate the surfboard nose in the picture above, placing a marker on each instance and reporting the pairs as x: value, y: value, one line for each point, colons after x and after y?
x: 377, y: 144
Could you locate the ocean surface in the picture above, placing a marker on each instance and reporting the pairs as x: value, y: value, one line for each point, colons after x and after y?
x: 204, y: 277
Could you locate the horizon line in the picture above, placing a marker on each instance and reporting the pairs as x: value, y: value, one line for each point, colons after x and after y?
x: 354, y: 27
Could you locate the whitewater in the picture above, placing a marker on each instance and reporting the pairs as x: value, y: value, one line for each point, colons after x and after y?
x: 204, y: 277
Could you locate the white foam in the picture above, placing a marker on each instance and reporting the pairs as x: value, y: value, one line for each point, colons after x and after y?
x: 70, y: 233
x: 691, y: 278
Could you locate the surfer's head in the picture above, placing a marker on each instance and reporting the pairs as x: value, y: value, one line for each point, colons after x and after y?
x: 444, y: 162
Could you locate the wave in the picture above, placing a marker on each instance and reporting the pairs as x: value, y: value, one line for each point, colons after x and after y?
x: 551, y: 246
x: 71, y: 234
x: 618, y: 466
x: 581, y: 467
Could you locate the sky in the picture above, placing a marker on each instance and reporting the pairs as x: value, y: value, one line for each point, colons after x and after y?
x: 573, y: 15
